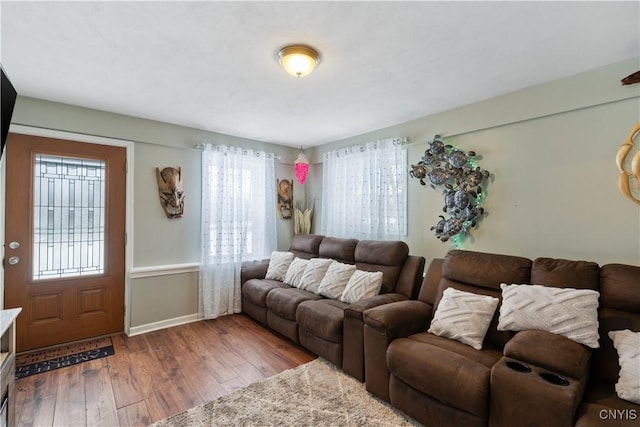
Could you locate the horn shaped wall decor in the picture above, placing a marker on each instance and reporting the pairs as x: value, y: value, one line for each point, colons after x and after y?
x: 171, y: 191
x: 625, y: 178
x: 631, y: 79
x: 455, y: 172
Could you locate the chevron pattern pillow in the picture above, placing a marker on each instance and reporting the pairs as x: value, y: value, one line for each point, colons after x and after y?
x: 313, y: 274
x: 295, y: 271
x: 278, y: 265
x: 463, y: 316
x: 569, y: 312
x: 362, y: 285
x: 336, y: 279
x: 627, y: 344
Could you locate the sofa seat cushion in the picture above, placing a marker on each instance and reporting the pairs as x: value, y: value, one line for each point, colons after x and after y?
x: 284, y: 301
x: 605, y: 395
x: 595, y: 415
x: 600, y: 405
x: 458, y: 379
x: 322, y: 318
x: 256, y: 290
x: 488, y: 356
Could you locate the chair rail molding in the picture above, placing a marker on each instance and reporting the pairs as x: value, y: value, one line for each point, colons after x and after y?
x: 163, y: 270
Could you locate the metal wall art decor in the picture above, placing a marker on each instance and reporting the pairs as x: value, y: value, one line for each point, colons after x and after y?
x: 454, y: 171
x: 285, y: 198
x: 171, y: 191
x: 624, y: 178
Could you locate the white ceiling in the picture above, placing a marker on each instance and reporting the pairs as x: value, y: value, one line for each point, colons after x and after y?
x: 211, y: 65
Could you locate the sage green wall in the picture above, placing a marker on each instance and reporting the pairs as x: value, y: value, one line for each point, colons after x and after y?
x: 550, y: 149
x: 157, y: 241
x: 150, y: 302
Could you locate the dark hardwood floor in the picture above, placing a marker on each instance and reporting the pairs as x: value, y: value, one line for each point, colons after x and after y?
x: 157, y: 374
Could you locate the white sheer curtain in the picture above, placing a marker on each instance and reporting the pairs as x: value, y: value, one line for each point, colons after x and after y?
x: 238, y: 222
x: 364, y: 191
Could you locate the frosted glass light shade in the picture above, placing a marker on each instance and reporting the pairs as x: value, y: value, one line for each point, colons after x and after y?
x: 298, y: 60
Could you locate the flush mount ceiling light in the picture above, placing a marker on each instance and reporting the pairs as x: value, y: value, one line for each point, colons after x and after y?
x: 298, y: 60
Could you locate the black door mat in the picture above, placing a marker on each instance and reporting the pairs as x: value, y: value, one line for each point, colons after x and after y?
x: 60, y: 357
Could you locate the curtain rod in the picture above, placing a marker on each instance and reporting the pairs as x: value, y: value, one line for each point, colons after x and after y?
x: 398, y: 141
x: 202, y: 147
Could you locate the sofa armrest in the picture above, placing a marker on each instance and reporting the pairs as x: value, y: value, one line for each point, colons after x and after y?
x: 253, y: 270
x: 383, y: 324
x: 353, y: 332
x: 399, y: 319
x: 540, y: 381
x: 550, y: 351
x: 357, y: 309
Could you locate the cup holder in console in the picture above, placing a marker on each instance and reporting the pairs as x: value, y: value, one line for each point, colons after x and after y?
x: 517, y: 366
x: 554, y: 379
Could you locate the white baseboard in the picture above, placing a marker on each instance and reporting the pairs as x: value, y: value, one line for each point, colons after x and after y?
x: 149, y: 327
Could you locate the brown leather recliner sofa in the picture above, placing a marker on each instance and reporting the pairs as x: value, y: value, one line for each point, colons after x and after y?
x: 526, y: 378
x: 330, y: 328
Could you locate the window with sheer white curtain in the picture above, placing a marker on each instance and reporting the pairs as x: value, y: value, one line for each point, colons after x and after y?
x: 364, y: 191
x: 238, y: 222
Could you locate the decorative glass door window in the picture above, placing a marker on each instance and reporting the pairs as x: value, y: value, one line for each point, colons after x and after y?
x: 69, y: 217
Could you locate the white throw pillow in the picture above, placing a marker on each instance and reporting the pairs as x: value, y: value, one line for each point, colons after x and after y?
x: 463, y: 316
x: 295, y: 271
x: 362, y: 285
x: 336, y: 279
x: 278, y: 265
x: 569, y: 312
x: 627, y: 344
x: 313, y: 274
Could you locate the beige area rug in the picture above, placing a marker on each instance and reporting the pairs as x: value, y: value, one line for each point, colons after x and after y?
x: 313, y: 394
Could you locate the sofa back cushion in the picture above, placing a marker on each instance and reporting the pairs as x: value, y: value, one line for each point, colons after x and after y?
x: 306, y: 246
x: 619, y: 310
x: 482, y: 273
x: 620, y: 288
x: 570, y: 312
x: 411, y: 277
x: 341, y: 250
x: 430, y: 282
x: 562, y: 273
x: 386, y: 256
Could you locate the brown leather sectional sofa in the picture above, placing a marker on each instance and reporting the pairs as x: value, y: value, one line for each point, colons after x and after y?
x: 330, y: 328
x: 527, y: 378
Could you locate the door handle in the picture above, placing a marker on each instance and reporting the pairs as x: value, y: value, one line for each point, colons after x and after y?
x: 14, y: 260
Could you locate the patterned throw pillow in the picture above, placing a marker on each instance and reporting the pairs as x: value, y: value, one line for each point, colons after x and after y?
x: 295, y: 271
x: 313, y: 274
x: 627, y: 344
x: 278, y: 265
x: 336, y: 279
x: 362, y: 285
x: 463, y: 316
x: 569, y: 312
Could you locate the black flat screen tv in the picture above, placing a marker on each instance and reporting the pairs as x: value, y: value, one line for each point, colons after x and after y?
x: 8, y: 101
